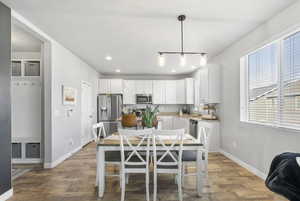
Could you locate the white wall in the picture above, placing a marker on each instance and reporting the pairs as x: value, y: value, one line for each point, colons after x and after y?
x: 253, y: 144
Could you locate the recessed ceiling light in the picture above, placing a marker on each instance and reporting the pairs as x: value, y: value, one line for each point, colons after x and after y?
x: 118, y: 70
x: 108, y: 58
x: 193, y: 67
x: 173, y: 71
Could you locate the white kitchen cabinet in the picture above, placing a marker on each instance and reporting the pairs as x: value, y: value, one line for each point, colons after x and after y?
x: 143, y: 86
x: 171, y: 97
x: 166, y: 122
x: 116, y: 86
x: 110, y: 86
x: 159, y: 92
x: 104, y: 86
x: 204, y: 85
x: 209, y: 84
x: 189, y: 90
x: 174, y: 122
x: 180, y: 92
x: 181, y: 122
x: 129, y: 92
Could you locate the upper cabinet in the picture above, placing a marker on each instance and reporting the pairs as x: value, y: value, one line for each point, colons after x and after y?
x: 207, y: 85
x: 143, y: 86
x: 159, y: 92
x: 189, y: 91
x: 110, y: 86
x: 173, y: 91
x: 129, y: 92
x: 163, y: 91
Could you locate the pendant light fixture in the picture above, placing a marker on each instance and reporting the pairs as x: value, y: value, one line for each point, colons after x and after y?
x: 182, y: 53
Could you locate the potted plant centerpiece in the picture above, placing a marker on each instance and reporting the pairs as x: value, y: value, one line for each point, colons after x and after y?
x: 149, y: 116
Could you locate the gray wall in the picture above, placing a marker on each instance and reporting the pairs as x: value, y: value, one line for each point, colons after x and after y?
x: 68, y: 70
x: 5, y: 112
x: 254, y: 144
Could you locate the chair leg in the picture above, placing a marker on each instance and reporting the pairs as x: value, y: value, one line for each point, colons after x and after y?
x: 97, y: 171
x: 127, y: 178
x: 179, y: 186
x: 154, y: 184
x: 147, y: 186
x: 123, y: 187
x: 183, y: 173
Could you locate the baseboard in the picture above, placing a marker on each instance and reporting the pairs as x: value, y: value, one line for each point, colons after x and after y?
x: 26, y: 161
x: 244, y: 165
x: 61, y: 159
x: 5, y: 196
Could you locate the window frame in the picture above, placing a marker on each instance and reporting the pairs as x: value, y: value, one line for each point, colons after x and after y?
x: 244, y: 84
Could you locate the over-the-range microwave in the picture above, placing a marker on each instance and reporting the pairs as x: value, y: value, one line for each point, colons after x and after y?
x: 143, y: 99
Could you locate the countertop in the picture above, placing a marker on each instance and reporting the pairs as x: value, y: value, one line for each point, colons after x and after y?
x: 187, y: 116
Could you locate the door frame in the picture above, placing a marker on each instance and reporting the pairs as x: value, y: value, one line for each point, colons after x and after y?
x: 82, y: 130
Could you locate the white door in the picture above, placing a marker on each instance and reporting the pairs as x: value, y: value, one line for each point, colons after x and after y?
x: 86, y: 113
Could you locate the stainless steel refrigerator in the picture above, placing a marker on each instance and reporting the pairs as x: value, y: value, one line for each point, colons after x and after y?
x: 110, y: 111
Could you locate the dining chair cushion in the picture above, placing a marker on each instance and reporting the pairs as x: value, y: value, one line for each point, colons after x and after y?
x: 167, y: 158
x: 189, y: 156
x: 113, y: 156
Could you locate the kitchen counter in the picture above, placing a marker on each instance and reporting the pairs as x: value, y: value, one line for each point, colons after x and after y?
x: 187, y: 116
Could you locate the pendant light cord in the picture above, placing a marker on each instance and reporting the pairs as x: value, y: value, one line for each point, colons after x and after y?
x: 182, y: 37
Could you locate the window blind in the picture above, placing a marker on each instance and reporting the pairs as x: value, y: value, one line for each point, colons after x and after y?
x: 290, y: 81
x: 262, y: 85
x: 271, y: 76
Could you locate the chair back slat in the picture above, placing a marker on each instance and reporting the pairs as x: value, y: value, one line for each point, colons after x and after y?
x: 168, y: 140
x: 97, y: 130
x: 203, y: 136
x: 134, y: 140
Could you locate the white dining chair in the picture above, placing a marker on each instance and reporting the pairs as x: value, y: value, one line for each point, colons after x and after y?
x: 97, y: 130
x: 169, y: 159
x: 111, y: 157
x: 191, y: 156
x: 134, y: 160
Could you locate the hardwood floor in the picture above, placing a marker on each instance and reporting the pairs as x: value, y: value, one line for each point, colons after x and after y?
x: 74, y: 179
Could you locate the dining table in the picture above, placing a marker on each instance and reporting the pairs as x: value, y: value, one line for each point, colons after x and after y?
x: 112, y: 143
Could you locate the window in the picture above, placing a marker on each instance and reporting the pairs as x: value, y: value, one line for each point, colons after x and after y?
x: 270, y: 84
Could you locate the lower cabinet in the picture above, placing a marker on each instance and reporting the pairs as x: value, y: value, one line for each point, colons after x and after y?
x: 175, y: 122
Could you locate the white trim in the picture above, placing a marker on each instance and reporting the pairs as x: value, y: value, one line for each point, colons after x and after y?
x: 8, y: 194
x: 61, y: 159
x: 244, y: 165
x: 27, y: 160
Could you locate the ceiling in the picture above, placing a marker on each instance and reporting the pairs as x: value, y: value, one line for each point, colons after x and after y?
x: 133, y: 31
x: 22, y: 41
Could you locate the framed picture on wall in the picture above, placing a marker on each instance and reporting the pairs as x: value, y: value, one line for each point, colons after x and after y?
x: 69, y: 95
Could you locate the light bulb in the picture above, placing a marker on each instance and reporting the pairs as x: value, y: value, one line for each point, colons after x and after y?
x: 182, y: 60
x: 161, y: 60
x: 203, y: 59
